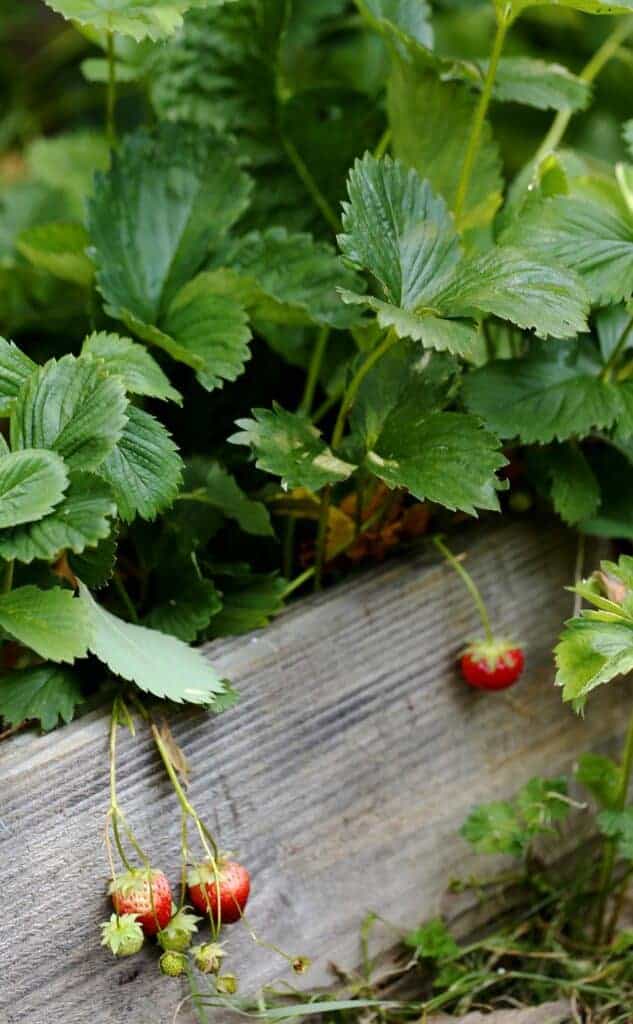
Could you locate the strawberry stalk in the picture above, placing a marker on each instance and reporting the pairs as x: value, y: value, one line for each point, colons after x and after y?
x: 115, y: 816
x: 470, y: 585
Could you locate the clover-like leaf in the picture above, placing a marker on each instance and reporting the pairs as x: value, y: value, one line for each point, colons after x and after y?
x: 47, y: 694
x: 32, y: 483
x: 124, y: 358
x: 144, y: 468
x: 51, y: 622
x: 141, y: 19
x: 287, y: 445
x: 80, y: 520
x: 159, y: 664
x: 71, y: 406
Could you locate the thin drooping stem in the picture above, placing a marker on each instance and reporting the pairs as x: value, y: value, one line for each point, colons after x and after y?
x: 589, y: 73
x: 349, y: 398
x: 111, y: 91
x: 209, y: 843
x: 314, y: 370
x: 479, y: 119
x: 114, y: 807
x: 304, y: 173
x: 469, y: 583
x: 610, y: 847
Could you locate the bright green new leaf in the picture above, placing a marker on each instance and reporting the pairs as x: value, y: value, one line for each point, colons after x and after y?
x: 51, y: 622
x: 601, y: 776
x: 60, y: 249
x: 446, y: 457
x: 32, y: 483
x: 432, y: 941
x: 188, y: 611
x: 431, y: 122
x: 144, y: 469
x: 555, y: 392
x: 71, y: 406
x: 159, y: 664
x: 141, y: 19
x: 208, y: 483
x: 536, y: 83
x: 168, y: 198
x: 521, y: 288
x: 123, y: 358
x: 287, y: 445
x: 68, y: 163
x: 46, y: 694
x: 495, y: 828
x: 81, y: 520
x: 15, y: 369
x: 593, y: 238
x: 618, y: 824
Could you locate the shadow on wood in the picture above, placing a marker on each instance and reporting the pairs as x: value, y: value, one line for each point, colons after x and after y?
x: 341, y: 779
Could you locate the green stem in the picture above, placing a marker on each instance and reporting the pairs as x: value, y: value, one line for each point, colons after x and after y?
x: 590, y: 72
x: 186, y: 806
x: 383, y: 144
x: 125, y: 597
x: 610, y: 846
x: 111, y: 91
x: 314, y: 370
x: 617, y: 351
x: 469, y: 583
x: 114, y: 807
x: 309, y: 182
x: 7, y: 578
x: 480, y: 116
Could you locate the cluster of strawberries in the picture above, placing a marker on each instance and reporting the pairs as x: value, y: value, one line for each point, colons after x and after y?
x: 143, y: 904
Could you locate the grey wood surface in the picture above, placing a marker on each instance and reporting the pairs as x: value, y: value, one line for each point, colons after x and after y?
x: 341, y: 779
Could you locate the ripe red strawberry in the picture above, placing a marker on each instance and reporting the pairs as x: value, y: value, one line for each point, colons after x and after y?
x: 145, y: 893
x: 233, y: 882
x: 492, y: 665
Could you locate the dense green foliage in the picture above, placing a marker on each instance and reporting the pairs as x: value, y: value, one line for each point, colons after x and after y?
x: 317, y: 260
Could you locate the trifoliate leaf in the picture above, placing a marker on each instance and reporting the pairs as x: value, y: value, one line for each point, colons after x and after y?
x: 47, y: 694
x: 208, y: 483
x: 157, y: 663
x: 523, y: 289
x: 249, y: 601
x: 15, y: 369
x: 593, y: 238
x: 71, y: 406
x: 555, y: 392
x: 79, y: 521
x: 210, y: 331
x: 446, y: 457
x: 432, y: 941
x: 167, y: 199
x: 458, y: 337
x: 141, y: 19
x: 32, y: 483
x: 287, y: 278
x: 594, y: 648
x: 618, y: 824
x: 601, y: 776
x: 188, y: 611
x: 144, y: 469
x: 139, y: 371
x: 68, y: 163
x: 398, y: 230
x: 60, y: 249
x: 536, y: 83
x: 51, y: 622
x: 572, y: 484
x: 431, y: 122
x: 287, y: 445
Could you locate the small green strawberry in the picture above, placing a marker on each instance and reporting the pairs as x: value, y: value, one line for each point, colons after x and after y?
x: 208, y: 957
x: 226, y: 984
x: 178, y: 933
x: 173, y: 964
x: 123, y: 935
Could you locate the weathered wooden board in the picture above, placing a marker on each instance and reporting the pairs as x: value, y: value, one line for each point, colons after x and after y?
x: 341, y: 779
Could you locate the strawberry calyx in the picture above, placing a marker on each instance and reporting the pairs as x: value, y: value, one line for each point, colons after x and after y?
x: 494, y: 652
x: 208, y: 957
x: 133, y: 881
x: 122, y: 934
x: 178, y: 933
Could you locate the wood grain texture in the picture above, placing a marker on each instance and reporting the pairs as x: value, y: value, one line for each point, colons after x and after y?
x: 341, y: 778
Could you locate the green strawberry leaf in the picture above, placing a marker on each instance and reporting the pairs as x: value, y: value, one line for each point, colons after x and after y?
x: 249, y: 601
x: 618, y: 825
x: 570, y: 481
x: 188, y: 611
x: 50, y: 622
x: 601, y: 776
x: 402, y: 19
x: 72, y: 407
x: 168, y: 199
x: 495, y: 828
x: 67, y: 163
x: 139, y: 371
x: 80, y: 520
x: 208, y: 483
x: 460, y: 337
x: 47, y: 694
x: 141, y: 19
x: 15, y: 369
x: 159, y: 664
x: 432, y: 941
x: 32, y: 483
x: 95, y: 566
x: 287, y: 445
x: 144, y: 469
x: 60, y: 249
x: 535, y: 83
